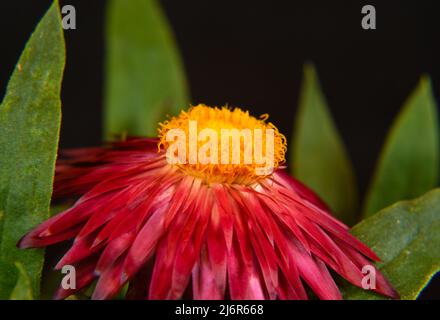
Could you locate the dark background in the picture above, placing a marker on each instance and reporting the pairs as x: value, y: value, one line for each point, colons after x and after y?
x: 250, y: 54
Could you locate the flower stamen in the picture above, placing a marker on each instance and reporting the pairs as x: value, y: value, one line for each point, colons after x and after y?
x: 223, y: 145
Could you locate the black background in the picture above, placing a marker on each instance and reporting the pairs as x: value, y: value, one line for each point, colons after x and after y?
x: 250, y: 54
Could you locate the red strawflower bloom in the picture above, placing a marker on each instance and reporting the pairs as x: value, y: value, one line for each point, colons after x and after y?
x: 209, y: 231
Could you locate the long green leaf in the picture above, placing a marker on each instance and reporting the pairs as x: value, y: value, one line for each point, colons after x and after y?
x: 318, y: 156
x: 144, y: 74
x: 29, y: 128
x: 406, y: 236
x: 23, y: 288
x: 409, y: 162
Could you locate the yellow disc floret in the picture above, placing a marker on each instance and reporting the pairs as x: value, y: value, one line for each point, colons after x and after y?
x: 222, y: 145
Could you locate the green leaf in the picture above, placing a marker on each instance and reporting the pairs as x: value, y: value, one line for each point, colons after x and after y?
x: 23, y: 287
x: 29, y: 127
x: 406, y: 236
x: 144, y: 74
x: 409, y: 162
x: 318, y: 156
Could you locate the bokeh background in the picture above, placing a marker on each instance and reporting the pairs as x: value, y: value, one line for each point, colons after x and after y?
x: 251, y: 53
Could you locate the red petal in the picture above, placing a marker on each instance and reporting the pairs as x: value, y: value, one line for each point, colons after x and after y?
x: 113, y: 251
x: 108, y: 284
x: 144, y: 244
x: 81, y: 249
x: 84, y: 276
x: 312, y: 272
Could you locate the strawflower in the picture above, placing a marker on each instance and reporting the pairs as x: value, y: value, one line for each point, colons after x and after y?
x: 197, y: 230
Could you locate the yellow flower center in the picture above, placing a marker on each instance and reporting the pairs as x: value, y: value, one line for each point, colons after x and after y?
x: 222, y: 145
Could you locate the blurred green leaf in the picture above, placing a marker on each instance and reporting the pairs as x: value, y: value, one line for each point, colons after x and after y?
x: 23, y: 287
x: 406, y: 236
x: 29, y: 127
x: 318, y: 157
x: 409, y: 162
x: 144, y: 74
